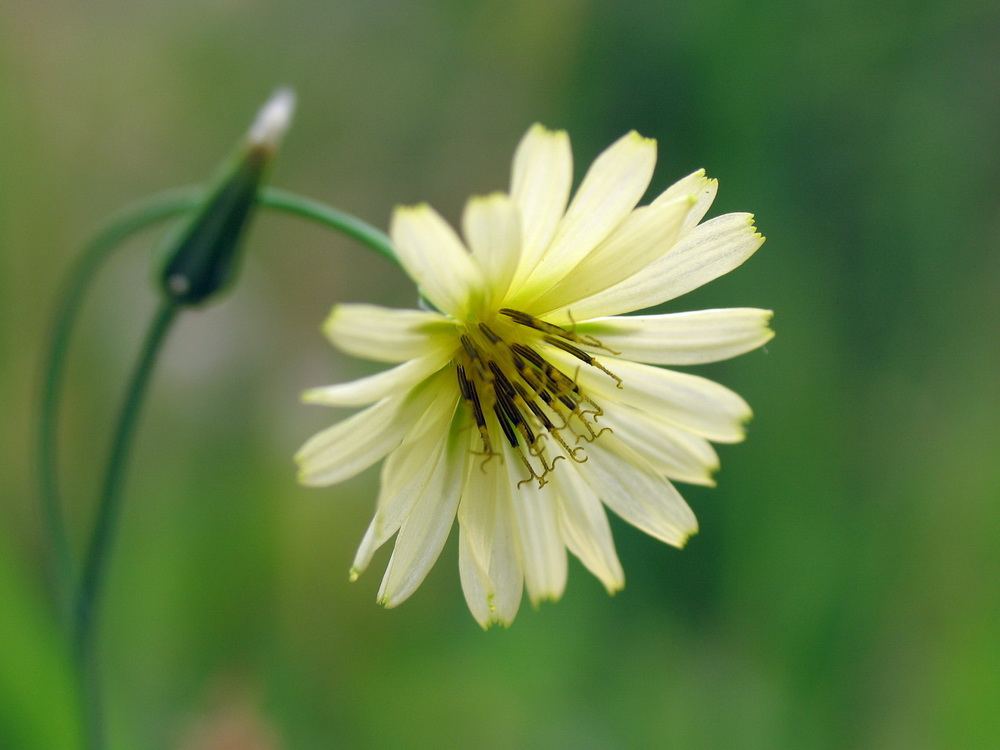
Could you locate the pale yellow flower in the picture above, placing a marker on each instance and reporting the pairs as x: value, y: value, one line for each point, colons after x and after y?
x: 522, y: 407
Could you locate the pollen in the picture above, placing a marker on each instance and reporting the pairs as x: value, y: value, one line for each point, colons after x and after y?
x: 514, y: 393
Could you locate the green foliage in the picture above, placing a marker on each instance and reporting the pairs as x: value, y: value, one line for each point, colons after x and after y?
x: 38, y: 706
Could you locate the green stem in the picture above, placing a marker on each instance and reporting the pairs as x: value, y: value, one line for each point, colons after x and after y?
x: 344, y: 223
x: 88, y: 592
x: 107, y: 517
x: 131, y: 220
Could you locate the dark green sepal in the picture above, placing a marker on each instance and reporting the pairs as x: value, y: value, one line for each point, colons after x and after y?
x: 202, y: 259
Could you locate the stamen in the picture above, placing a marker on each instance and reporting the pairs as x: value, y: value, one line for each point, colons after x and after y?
x: 588, y: 340
x: 494, y: 339
x: 508, y: 431
x: 550, y: 428
x: 529, y: 397
x: 469, y: 347
x: 531, y: 321
x: 500, y: 379
x: 471, y: 396
x: 556, y: 378
x: 531, y: 471
x: 582, y: 355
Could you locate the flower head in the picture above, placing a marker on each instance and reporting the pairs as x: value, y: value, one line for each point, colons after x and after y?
x: 526, y: 402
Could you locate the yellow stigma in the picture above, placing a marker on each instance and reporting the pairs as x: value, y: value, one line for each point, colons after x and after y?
x: 505, y: 379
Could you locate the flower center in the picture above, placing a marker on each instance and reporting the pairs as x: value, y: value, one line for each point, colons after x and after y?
x: 505, y: 379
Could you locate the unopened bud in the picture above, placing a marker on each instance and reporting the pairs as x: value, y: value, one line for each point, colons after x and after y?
x: 202, y: 258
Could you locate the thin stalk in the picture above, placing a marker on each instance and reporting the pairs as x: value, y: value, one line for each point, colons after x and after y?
x: 108, y: 510
x: 134, y: 218
x: 344, y: 223
x: 86, y: 595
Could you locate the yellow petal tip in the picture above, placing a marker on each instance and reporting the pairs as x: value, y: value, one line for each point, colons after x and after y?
x: 686, y: 538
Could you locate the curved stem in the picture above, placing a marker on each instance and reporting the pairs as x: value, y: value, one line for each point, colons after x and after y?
x: 344, y: 223
x: 87, y: 595
x: 134, y: 218
x: 107, y: 517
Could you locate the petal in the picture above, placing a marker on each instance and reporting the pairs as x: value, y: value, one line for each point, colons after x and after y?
x: 586, y: 531
x: 635, y: 491
x: 540, y: 184
x: 488, y: 562
x: 476, y: 584
x: 477, y: 511
x: 672, y: 451
x: 492, y: 227
x: 435, y: 258
x: 705, y: 253
x: 352, y: 445
x: 426, y: 528
x: 610, y: 190
x: 695, y: 184
x: 691, y: 402
x: 687, y: 338
x: 376, y: 387
x: 405, y: 477
x: 383, y: 334
x: 427, y: 433
x: 506, y: 570
x: 536, y: 531
x: 645, y: 235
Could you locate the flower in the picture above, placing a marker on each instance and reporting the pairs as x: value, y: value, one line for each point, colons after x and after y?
x: 525, y: 402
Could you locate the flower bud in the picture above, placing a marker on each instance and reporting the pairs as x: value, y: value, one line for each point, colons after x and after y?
x: 202, y: 258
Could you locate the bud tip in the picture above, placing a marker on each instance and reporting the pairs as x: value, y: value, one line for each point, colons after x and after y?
x: 273, y: 119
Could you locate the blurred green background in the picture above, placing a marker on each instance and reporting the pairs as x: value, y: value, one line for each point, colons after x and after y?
x: 843, y: 591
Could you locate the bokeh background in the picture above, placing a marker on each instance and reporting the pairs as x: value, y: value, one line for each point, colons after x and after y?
x: 843, y: 591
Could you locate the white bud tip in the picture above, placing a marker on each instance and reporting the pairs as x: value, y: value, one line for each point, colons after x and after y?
x: 273, y: 119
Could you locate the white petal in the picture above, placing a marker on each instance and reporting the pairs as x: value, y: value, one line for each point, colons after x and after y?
x: 492, y: 227
x: 435, y: 258
x: 476, y: 584
x: 698, y: 185
x: 369, y: 543
x: 540, y: 184
x: 586, y: 531
x: 610, y: 190
x: 351, y: 446
x: 645, y: 235
x: 506, y: 570
x: 635, y: 491
x: 405, y: 476
x: 488, y: 561
x: 694, y: 403
x: 542, y: 552
x: 705, y: 253
x: 424, y: 440
x: 687, y: 338
x: 383, y: 334
x: 373, y: 388
x: 426, y: 528
x: 477, y: 511
x: 672, y: 451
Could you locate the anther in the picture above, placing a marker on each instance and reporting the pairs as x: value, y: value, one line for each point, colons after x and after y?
x: 500, y: 379
x: 494, y: 339
x: 471, y: 396
x: 582, y: 355
x: 508, y: 430
x: 470, y: 348
x: 588, y: 340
